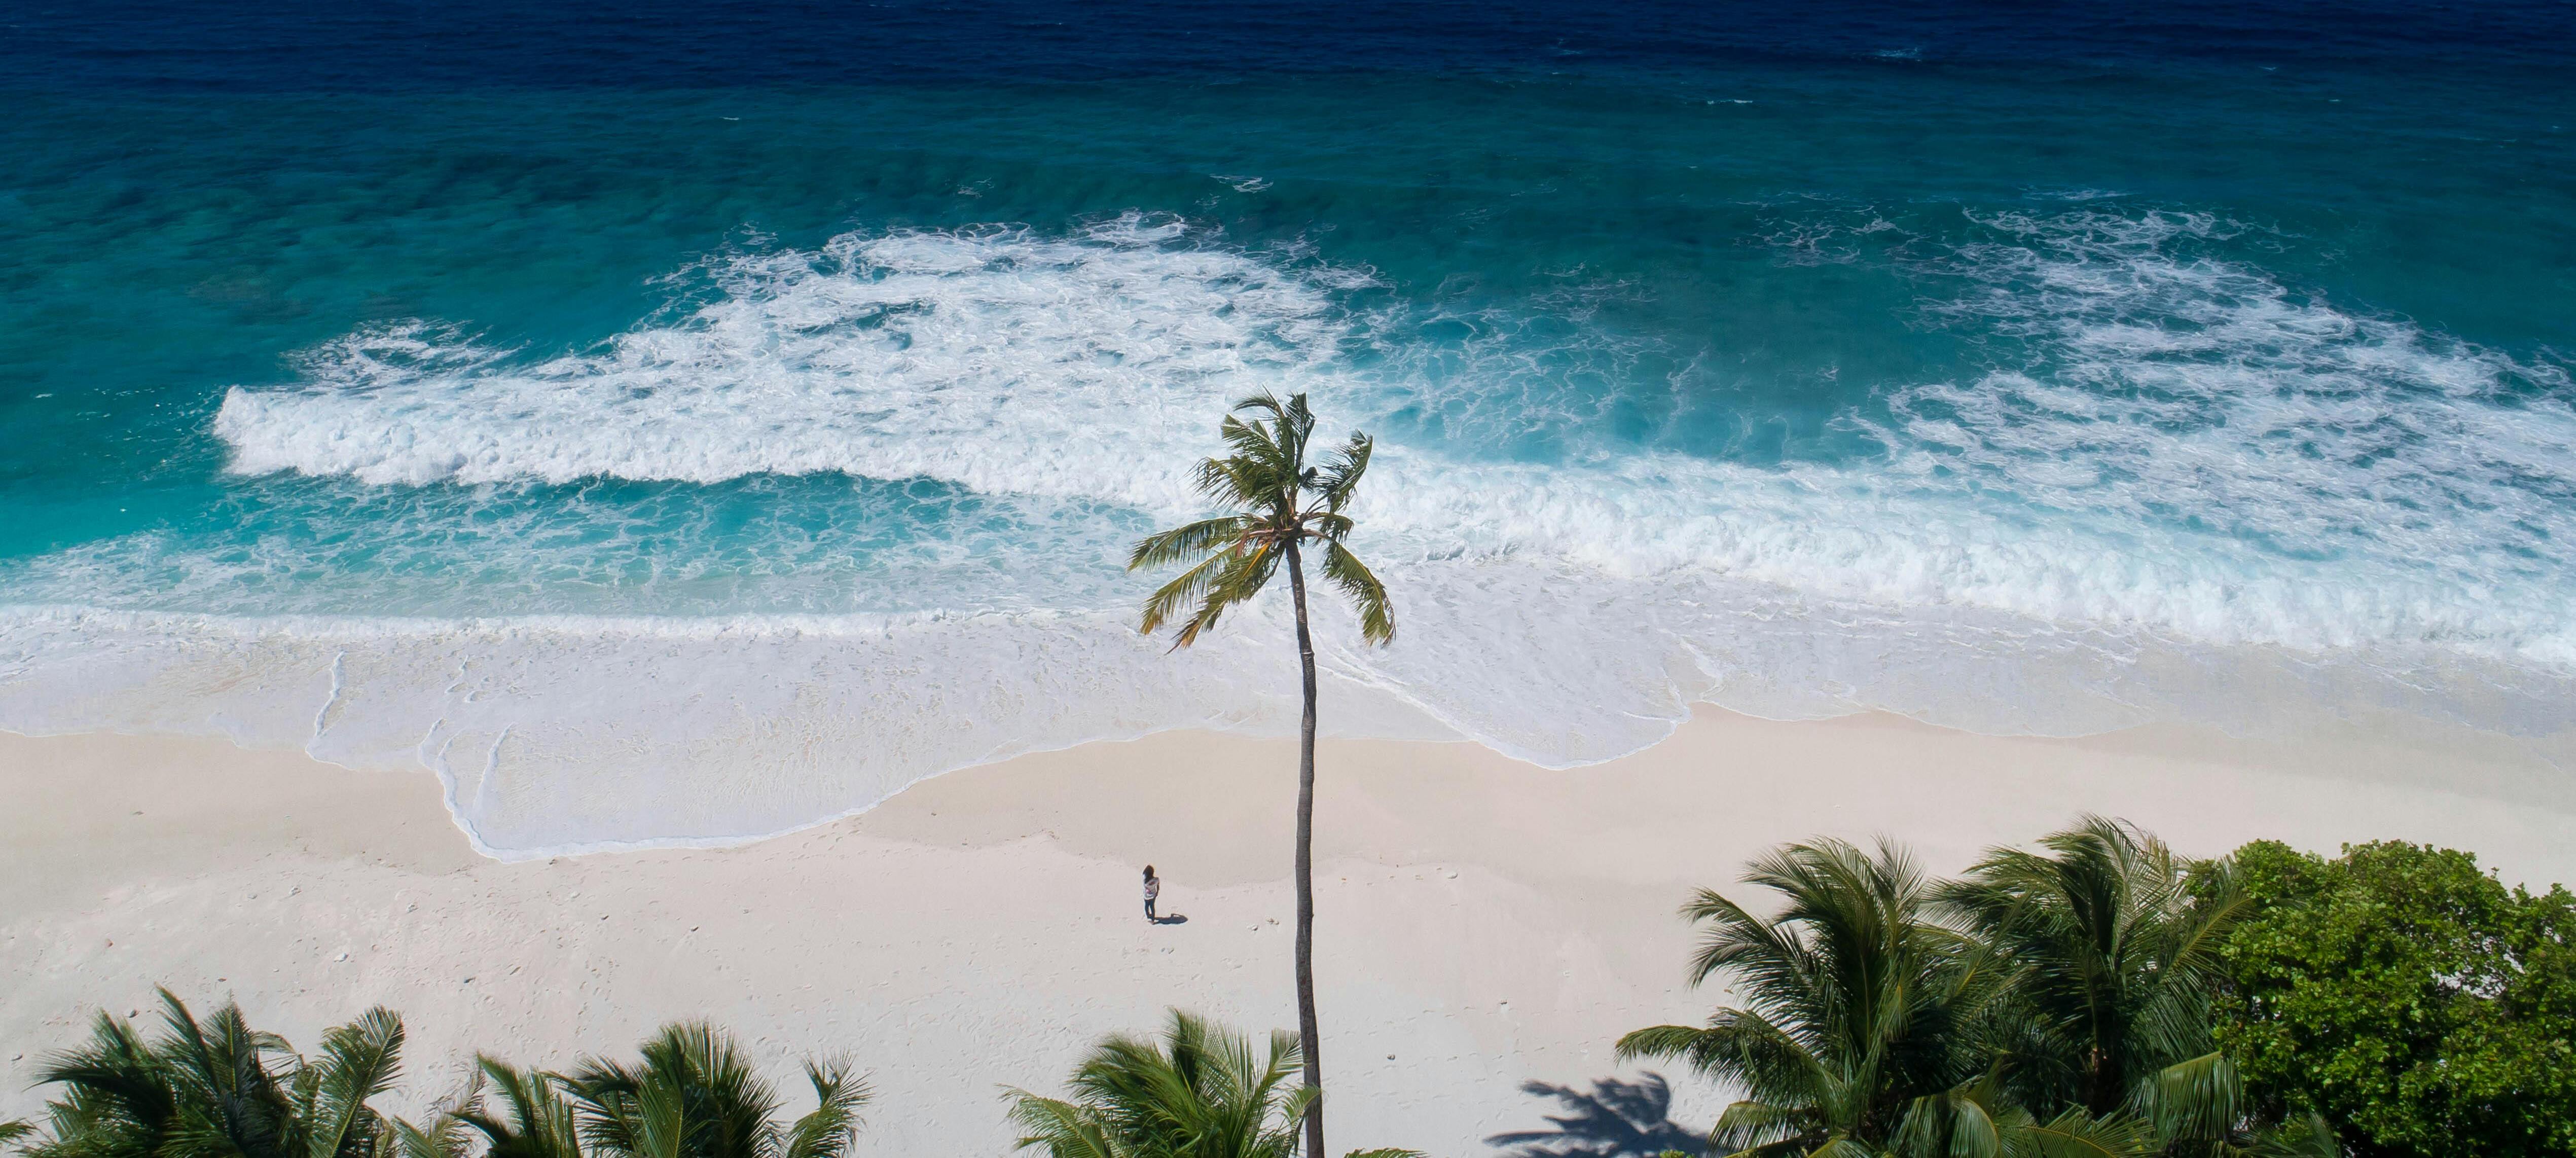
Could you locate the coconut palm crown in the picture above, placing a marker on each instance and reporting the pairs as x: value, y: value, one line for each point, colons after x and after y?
x: 1854, y: 1000
x: 694, y: 1096
x: 1280, y: 504
x: 1200, y: 1092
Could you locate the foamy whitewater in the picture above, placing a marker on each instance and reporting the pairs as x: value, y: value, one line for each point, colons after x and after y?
x: 817, y: 521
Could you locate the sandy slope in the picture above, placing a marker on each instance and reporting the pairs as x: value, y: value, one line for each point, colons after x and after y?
x: 1484, y: 922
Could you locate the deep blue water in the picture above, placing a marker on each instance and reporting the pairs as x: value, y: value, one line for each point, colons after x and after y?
x: 2027, y: 367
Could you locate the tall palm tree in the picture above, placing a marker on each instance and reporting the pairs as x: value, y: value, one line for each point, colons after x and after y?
x: 693, y: 1096
x: 2114, y: 945
x: 1201, y: 1091
x: 1281, y: 506
x: 219, y: 1089
x: 1854, y: 999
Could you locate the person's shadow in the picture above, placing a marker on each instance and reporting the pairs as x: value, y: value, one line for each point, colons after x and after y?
x: 1616, y: 1119
x: 1172, y: 919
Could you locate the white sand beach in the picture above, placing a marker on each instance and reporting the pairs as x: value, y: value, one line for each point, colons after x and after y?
x: 1482, y: 923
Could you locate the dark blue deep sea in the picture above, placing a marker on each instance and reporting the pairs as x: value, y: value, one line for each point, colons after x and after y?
x: 768, y: 391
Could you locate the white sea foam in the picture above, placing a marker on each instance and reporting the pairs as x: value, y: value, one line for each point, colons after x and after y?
x: 2192, y: 481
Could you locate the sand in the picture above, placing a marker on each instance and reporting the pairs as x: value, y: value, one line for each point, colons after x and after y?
x: 1483, y: 923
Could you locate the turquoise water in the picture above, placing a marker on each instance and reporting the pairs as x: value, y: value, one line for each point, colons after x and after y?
x: 782, y: 426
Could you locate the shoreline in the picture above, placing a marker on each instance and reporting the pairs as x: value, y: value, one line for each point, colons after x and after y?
x: 1487, y: 921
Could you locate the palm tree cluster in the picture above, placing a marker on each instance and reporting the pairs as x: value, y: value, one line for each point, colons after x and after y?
x: 2051, y: 1002
x: 218, y: 1089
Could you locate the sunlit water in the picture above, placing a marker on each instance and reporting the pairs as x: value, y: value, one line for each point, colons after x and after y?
x: 695, y: 425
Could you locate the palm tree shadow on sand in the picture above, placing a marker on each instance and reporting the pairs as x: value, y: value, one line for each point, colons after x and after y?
x: 1616, y: 1119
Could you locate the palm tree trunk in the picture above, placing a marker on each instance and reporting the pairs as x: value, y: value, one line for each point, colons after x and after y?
x: 1309, y: 1035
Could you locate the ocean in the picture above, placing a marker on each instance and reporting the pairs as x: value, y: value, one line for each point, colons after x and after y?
x: 681, y: 423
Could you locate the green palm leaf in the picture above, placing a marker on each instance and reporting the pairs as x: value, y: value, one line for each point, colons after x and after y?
x: 536, y: 1121
x: 2076, y: 1134
x: 1196, y: 1091
x: 828, y: 1129
x: 2110, y: 942
x: 1851, y: 1028
x: 359, y: 1061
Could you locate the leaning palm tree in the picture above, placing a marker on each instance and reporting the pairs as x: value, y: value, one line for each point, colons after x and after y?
x: 2114, y: 943
x: 1854, y: 1002
x: 1280, y: 506
x: 693, y: 1096
x: 219, y: 1089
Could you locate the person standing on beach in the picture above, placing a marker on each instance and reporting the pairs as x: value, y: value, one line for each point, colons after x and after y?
x: 1153, y: 889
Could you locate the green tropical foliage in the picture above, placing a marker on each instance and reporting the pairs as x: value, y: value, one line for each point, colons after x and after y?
x: 533, y: 1119
x: 219, y: 1089
x: 1855, y: 1004
x: 1279, y: 506
x: 2051, y: 1002
x: 2112, y: 944
x: 1199, y: 1091
x: 693, y: 1096
x: 2406, y: 998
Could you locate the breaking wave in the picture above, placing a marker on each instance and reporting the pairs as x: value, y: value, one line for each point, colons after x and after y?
x: 840, y: 519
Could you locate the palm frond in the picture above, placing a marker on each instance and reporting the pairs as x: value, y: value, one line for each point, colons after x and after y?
x: 2077, y: 1134
x: 1750, y: 1127
x: 230, y: 1104
x: 1190, y: 586
x: 359, y: 1061
x: 1340, y: 476
x: 1360, y: 586
x: 1062, y: 1128
x: 2196, y: 1100
x: 1197, y: 1090
x: 114, y: 1085
x: 2304, y: 1136
x: 444, y: 1137
x: 827, y: 1130
x: 2112, y: 939
x: 1852, y: 1005
x: 1184, y: 543
x: 1242, y: 577
x: 536, y: 1120
x: 1843, y: 1146
x: 447, y: 1135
